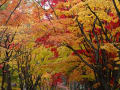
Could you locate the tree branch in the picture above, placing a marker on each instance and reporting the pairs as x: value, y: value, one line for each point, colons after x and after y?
x: 13, y: 12
x: 100, y: 23
x: 53, y: 9
x: 98, y: 44
x: 81, y: 29
x: 91, y: 66
x: 3, y: 3
x: 116, y: 8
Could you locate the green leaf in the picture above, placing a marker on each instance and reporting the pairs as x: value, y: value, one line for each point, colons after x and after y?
x: 3, y: 7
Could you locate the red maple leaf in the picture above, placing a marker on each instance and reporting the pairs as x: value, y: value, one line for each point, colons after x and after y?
x: 79, y: 52
x: 1, y: 66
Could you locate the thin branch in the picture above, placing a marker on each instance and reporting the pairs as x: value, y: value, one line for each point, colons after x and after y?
x: 13, y: 12
x: 93, y: 31
x: 90, y: 36
x: 98, y: 44
x: 85, y: 48
x: 53, y: 9
x: 3, y: 3
x: 38, y: 4
x: 12, y: 37
x: 37, y: 80
x: 103, y: 28
x: 81, y: 29
x: 91, y: 66
x: 3, y: 32
x: 100, y: 23
x: 116, y: 8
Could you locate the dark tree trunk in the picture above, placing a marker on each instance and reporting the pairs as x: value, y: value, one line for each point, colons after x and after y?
x: 3, y: 77
x: 20, y: 77
x: 9, y: 87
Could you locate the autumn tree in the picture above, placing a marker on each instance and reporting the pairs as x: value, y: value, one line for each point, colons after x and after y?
x: 60, y: 37
x: 11, y: 17
x: 95, y: 34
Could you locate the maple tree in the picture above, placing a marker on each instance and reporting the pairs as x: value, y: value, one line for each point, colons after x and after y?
x: 97, y: 43
x: 8, y: 29
x: 42, y: 41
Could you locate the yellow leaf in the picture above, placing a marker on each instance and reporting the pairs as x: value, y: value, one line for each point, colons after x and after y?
x: 110, y: 66
x: 116, y: 68
x: 96, y: 85
x: 46, y: 75
x: 109, y: 47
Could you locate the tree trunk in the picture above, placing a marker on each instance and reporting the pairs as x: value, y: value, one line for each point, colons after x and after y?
x: 21, y: 82
x: 9, y: 87
x: 3, y: 77
x: 20, y: 77
x: 104, y: 85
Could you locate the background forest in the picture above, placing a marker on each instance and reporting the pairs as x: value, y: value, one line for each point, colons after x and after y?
x: 59, y: 44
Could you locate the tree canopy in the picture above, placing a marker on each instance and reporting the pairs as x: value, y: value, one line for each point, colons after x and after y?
x: 53, y: 43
